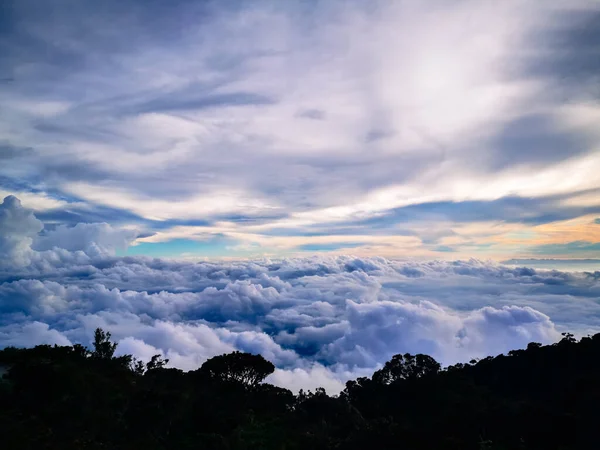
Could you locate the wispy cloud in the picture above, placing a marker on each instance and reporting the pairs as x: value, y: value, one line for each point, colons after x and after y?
x: 295, y: 116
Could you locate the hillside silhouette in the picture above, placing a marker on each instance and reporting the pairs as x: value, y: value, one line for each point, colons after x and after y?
x: 71, y: 397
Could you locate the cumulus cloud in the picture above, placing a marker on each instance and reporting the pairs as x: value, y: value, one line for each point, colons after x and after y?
x: 23, y: 240
x: 95, y: 239
x: 30, y: 334
x: 377, y: 331
x: 18, y: 227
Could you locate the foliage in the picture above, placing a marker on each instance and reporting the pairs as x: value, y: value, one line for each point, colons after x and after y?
x: 103, y: 347
x: 156, y: 362
x: 406, y: 367
x: 541, y: 397
x: 238, y: 367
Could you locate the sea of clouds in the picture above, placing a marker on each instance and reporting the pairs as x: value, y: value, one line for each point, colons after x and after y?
x: 321, y: 320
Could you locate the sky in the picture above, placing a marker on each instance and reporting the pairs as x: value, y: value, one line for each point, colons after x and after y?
x: 437, y: 129
x: 323, y: 182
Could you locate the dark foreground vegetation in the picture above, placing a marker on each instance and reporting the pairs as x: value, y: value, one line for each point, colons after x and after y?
x: 544, y: 397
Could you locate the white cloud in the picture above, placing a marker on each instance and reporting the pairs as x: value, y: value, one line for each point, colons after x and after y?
x: 38, y: 201
x: 30, y: 334
x: 307, y: 379
x: 18, y: 227
x: 381, y: 329
x: 211, y: 203
x: 95, y: 239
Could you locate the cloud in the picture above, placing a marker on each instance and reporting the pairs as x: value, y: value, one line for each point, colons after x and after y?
x: 94, y: 239
x: 297, y: 379
x: 201, y: 115
x: 580, y: 247
x: 18, y: 227
x: 30, y: 334
x: 379, y: 330
x: 35, y: 201
x: 558, y: 264
x: 148, y: 207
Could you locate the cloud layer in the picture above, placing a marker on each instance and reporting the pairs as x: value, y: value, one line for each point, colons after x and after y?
x: 270, y: 128
x: 321, y: 320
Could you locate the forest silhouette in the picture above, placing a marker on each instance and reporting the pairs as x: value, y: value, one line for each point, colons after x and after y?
x: 71, y: 397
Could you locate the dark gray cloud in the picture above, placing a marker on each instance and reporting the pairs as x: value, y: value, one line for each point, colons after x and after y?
x: 511, y: 209
x: 8, y: 151
x: 537, y: 140
x: 178, y: 102
x: 315, y: 114
x: 572, y: 56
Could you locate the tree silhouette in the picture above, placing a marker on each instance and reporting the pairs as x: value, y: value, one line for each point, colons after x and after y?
x: 103, y: 347
x: 568, y: 338
x: 244, y: 368
x: 156, y: 362
x: 81, y: 351
x: 406, y: 367
x: 138, y: 367
x: 538, y: 398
